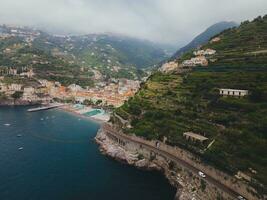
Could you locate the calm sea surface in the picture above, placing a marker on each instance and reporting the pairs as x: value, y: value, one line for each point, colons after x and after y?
x: 60, y: 161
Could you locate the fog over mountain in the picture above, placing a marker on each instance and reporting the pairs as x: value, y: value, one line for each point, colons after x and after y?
x: 166, y: 21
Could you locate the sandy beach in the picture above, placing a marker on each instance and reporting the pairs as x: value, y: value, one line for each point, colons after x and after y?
x: 99, y: 118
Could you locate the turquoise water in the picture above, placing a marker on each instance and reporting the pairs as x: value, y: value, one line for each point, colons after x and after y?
x: 93, y: 112
x: 60, y: 161
x: 78, y: 106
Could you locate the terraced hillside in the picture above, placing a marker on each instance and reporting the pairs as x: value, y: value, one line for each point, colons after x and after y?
x: 75, y: 59
x: 170, y: 104
x: 205, y: 37
x: 244, y: 45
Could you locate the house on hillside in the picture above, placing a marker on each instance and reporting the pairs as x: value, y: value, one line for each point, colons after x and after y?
x: 169, y: 66
x: 216, y: 39
x: 75, y: 88
x: 194, y: 137
x: 204, y: 52
x: 197, y: 61
x: 233, y: 92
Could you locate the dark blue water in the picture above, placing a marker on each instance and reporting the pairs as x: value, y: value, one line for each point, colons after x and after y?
x: 60, y: 160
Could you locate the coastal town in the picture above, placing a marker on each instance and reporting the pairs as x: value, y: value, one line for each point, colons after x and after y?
x: 112, y: 93
x: 23, y: 80
x: 199, y: 116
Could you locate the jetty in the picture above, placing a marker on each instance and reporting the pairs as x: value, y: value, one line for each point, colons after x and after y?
x: 51, y: 106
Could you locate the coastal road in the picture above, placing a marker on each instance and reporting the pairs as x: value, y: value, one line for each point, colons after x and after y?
x: 193, y: 169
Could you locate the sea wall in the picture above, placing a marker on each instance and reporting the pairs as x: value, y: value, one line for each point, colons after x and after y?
x: 189, y: 185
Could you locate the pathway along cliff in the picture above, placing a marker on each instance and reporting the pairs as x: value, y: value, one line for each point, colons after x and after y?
x: 181, y: 172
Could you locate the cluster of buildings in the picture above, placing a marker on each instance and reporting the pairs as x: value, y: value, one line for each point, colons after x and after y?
x: 113, y: 93
x: 28, y: 93
x: 16, y: 31
x: 169, y: 66
x: 204, y: 52
x: 200, y: 59
x: 11, y: 71
x: 197, y: 61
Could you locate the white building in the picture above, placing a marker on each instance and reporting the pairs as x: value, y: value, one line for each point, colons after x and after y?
x: 75, y: 88
x: 15, y: 87
x: 200, y: 60
x: 80, y: 99
x: 29, y: 90
x: 28, y: 94
x: 3, y: 87
x: 167, y: 67
x: 216, y: 39
x: 233, y: 92
x: 28, y: 74
x: 204, y: 52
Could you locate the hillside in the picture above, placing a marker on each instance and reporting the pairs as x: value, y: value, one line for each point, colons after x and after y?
x: 77, y: 58
x: 170, y: 104
x: 245, y: 45
x: 205, y: 37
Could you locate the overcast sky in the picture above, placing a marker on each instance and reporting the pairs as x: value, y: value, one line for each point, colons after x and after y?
x: 167, y: 21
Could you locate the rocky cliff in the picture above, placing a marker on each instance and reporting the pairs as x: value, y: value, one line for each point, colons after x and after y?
x: 188, y: 185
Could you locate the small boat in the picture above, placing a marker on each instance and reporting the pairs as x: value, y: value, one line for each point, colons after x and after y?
x: 7, y: 124
x: 19, y: 135
x: 42, y: 119
x: 20, y: 148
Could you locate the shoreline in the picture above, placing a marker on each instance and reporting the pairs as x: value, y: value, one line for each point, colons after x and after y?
x: 18, y: 103
x: 126, y: 156
x: 66, y: 109
x: 181, y: 174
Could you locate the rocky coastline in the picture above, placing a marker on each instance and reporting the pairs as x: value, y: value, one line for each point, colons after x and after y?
x: 185, y: 190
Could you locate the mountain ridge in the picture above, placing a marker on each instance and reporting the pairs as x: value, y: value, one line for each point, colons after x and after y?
x: 205, y: 36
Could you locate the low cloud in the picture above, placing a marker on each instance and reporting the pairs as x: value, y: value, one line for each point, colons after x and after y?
x: 166, y: 21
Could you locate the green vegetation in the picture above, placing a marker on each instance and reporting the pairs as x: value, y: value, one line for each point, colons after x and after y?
x: 2, y: 96
x: 17, y: 95
x: 73, y: 59
x: 170, y: 104
x: 203, y: 185
x: 245, y: 45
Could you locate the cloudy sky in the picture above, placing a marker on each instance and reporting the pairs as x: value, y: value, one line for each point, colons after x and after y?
x: 166, y: 21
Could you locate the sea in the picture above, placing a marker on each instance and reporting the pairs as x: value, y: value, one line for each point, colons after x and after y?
x: 51, y: 155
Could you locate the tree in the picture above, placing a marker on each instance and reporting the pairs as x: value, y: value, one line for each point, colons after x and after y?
x: 17, y: 95
x: 88, y: 102
x: 256, y: 95
x: 98, y: 102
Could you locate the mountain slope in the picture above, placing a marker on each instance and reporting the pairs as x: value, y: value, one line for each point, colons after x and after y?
x: 205, y: 36
x: 77, y: 58
x: 170, y: 104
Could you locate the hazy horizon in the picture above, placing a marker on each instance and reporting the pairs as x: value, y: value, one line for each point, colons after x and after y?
x: 159, y: 21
